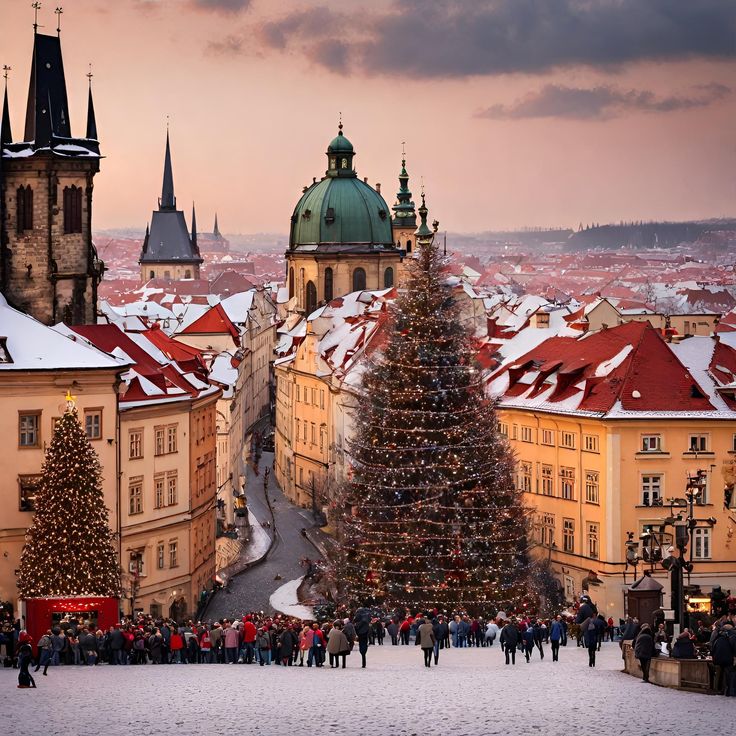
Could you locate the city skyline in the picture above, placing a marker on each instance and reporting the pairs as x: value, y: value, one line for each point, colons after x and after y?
x: 504, y: 133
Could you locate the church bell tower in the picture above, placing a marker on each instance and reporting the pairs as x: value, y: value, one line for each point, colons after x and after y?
x: 48, y: 264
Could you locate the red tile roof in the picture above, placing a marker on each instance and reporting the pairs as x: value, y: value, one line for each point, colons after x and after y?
x: 648, y: 378
x: 213, y: 322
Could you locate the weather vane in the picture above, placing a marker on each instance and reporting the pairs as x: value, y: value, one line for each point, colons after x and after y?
x: 90, y: 75
x: 59, y: 10
x: 36, y: 7
x: 339, y: 124
x: 6, y: 69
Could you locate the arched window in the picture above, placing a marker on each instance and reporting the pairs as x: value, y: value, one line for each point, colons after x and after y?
x: 291, y: 283
x: 311, y: 297
x: 328, y: 284
x: 187, y: 274
x: 24, y: 208
x: 333, y: 162
x: 388, y: 278
x: 72, y: 209
x: 301, y: 287
x: 359, y: 279
x: 151, y: 275
x: 344, y: 164
x: 408, y: 246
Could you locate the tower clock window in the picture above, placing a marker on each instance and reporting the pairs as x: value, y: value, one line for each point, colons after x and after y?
x: 359, y: 279
x: 24, y: 212
x: 328, y: 285
x: 72, y: 209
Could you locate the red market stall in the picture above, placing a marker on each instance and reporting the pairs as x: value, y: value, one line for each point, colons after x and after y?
x: 44, y: 613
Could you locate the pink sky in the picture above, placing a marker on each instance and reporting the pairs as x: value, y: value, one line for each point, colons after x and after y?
x: 253, y: 91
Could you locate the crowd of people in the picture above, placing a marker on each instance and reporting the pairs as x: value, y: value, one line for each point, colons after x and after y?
x: 286, y: 641
x: 718, y: 641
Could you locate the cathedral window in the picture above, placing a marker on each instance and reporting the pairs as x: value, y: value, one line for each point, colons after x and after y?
x: 328, y: 285
x: 359, y: 279
x: 311, y: 297
x: 72, y: 209
x: 24, y: 204
x: 388, y: 278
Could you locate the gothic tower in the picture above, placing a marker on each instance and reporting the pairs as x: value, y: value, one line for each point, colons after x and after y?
x: 48, y: 264
x: 169, y: 252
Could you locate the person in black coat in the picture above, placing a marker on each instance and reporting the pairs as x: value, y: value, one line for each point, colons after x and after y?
x: 644, y: 650
x: 723, y: 650
x: 509, y: 640
x: 25, y: 657
x: 683, y: 648
x: 362, y: 624
x: 586, y: 610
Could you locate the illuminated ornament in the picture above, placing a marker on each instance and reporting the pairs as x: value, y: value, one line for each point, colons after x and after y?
x: 70, y: 400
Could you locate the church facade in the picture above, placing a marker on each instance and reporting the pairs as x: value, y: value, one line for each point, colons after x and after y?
x: 48, y: 264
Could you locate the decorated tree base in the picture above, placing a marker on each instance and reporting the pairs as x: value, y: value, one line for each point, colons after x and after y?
x: 41, y: 614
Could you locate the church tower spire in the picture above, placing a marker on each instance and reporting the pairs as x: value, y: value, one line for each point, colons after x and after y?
x: 91, y: 120
x: 6, y: 135
x: 195, y: 246
x: 404, y: 219
x: 168, y: 200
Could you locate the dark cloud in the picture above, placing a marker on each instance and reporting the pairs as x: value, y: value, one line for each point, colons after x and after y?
x: 223, y: 6
x: 455, y: 38
x: 600, y: 103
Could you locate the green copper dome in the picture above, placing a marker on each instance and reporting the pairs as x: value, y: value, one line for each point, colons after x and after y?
x: 341, y: 210
x: 340, y: 144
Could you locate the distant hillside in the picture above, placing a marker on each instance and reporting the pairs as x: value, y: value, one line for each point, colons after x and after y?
x: 644, y: 234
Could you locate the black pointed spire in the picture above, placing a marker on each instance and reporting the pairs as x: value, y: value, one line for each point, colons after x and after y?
x: 6, y: 134
x: 145, y: 240
x: 216, y: 230
x: 194, y: 229
x: 47, y: 111
x: 168, y: 200
x: 91, y: 121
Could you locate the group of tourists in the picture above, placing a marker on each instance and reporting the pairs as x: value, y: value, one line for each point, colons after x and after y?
x: 719, y: 641
x: 286, y: 641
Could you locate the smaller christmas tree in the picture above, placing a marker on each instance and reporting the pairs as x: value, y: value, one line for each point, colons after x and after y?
x: 69, y: 549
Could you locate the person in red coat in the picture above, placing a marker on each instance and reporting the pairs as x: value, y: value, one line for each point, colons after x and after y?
x: 176, y: 644
x: 249, y: 639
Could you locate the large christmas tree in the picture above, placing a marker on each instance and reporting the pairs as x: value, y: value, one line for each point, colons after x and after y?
x: 69, y: 549
x: 432, y: 517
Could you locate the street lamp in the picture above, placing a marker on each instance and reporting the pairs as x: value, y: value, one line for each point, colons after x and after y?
x: 684, y: 537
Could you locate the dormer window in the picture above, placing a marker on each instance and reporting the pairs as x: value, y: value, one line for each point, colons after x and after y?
x: 307, y: 214
x: 382, y: 214
x: 330, y: 215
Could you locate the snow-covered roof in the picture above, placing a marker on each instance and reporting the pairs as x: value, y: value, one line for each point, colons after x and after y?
x: 29, y: 345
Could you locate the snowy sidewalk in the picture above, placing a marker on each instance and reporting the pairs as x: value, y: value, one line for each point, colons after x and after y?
x: 286, y: 600
x: 471, y: 693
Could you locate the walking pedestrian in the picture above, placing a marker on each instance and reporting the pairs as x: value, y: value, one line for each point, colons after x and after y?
x: 337, y: 645
x: 644, y: 650
x: 509, y: 640
x: 555, y: 636
x: 362, y: 623
x: 427, y: 640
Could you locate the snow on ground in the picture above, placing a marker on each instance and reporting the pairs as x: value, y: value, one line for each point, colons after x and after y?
x: 259, y: 540
x: 471, y: 693
x: 285, y: 599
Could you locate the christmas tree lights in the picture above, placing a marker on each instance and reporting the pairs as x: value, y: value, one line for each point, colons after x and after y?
x: 431, y: 515
x: 69, y: 549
